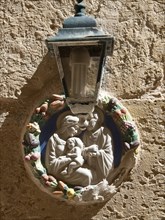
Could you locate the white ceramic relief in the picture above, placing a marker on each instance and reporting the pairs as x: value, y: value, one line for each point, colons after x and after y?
x: 81, y: 158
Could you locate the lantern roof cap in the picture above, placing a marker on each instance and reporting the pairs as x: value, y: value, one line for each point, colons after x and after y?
x: 80, y: 19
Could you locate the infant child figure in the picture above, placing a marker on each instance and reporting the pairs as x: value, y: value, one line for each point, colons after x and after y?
x: 74, y: 147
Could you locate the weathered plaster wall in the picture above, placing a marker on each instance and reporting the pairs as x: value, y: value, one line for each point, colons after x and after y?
x: 135, y: 74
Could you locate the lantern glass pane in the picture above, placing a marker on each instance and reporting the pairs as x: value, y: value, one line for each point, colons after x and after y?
x: 80, y: 66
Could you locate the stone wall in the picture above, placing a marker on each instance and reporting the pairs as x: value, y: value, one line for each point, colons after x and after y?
x: 135, y: 74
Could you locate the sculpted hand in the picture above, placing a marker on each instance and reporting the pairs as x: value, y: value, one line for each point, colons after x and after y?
x: 68, y: 159
x: 94, y: 154
x: 92, y: 151
x: 71, y: 155
x: 65, y: 159
x: 93, y: 148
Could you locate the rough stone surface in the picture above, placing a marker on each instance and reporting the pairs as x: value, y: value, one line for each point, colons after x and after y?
x: 135, y: 74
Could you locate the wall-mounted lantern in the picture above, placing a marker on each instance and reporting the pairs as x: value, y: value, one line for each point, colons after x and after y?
x: 80, y: 49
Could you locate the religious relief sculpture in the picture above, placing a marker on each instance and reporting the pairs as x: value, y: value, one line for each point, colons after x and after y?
x: 80, y: 158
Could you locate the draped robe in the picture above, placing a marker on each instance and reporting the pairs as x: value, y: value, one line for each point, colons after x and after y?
x: 102, y: 163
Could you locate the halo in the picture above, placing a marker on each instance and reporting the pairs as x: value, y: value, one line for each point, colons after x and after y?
x: 61, y: 117
x: 100, y: 113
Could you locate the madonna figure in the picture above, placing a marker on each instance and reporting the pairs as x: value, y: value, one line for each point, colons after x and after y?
x: 56, y: 160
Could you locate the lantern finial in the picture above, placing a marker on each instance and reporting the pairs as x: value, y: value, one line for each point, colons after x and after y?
x: 80, y: 8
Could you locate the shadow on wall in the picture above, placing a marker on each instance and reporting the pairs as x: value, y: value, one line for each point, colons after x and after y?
x: 41, y: 85
x: 45, y: 78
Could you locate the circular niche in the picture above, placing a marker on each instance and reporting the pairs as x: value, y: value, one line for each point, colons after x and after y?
x: 81, y: 158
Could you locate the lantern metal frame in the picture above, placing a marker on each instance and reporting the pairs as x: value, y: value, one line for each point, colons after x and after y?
x: 81, y: 30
